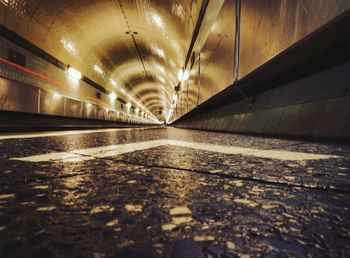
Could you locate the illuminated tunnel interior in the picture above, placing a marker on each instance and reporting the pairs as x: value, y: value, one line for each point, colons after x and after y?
x: 174, y: 128
x: 154, y: 62
x: 135, y: 52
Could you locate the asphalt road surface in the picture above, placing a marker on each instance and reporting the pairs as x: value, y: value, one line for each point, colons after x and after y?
x: 165, y: 192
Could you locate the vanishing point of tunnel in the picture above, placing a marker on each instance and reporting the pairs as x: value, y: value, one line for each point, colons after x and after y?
x: 175, y: 128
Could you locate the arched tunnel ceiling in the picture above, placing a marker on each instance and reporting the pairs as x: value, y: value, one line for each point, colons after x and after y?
x: 135, y: 48
x: 140, y: 45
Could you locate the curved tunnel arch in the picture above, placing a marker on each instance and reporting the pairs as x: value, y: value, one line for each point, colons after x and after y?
x: 137, y: 45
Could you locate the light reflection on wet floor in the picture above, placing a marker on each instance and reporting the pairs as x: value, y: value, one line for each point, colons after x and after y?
x: 171, y: 200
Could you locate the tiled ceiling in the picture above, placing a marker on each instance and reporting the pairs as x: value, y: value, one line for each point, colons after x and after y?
x: 135, y: 48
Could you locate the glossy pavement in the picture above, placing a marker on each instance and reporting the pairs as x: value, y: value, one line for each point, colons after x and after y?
x: 179, y: 193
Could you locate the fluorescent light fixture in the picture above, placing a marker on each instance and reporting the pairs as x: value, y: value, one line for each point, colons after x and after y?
x: 56, y: 95
x: 175, y: 97
x: 74, y: 73
x: 69, y: 46
x: 161, y: 69
x: 99, y: 70
x: 157, y: 20
x: 113, y: 83
x: 161, y: 79
x: 183, y: 75
x: 158, y: 51
x: 112, y: 96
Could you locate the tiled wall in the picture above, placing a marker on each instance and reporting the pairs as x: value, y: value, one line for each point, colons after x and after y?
x: 315, y: 106
x: 51, y: 91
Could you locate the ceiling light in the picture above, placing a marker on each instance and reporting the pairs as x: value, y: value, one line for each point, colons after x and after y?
x: 99, y: 70
x: 157, y: 20
x: 178, y: 10
x: 183, y: 75
x: 113, y: 83
x: 175, y: 97
x: 69, y: 46
x: 112, y: 96
x: 56, y: 95
x: 74, y: 73
x: 161, y: 79
x: 158, y: 51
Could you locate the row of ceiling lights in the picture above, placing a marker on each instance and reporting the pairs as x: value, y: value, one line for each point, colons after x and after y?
x: 182, y: 76
x: 147, y: 114
x: 74, y: 73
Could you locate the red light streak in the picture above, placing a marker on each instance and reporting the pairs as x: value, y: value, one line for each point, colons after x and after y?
x: 46, y: 78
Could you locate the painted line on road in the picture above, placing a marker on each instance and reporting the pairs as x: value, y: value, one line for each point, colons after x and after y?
x: 114, y: 150
x: 64, y: 133
x: 260, y: 153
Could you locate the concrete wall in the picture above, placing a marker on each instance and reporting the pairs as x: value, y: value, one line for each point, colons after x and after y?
x: 315, y: 106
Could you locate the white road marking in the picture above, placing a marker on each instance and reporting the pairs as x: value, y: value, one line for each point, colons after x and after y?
x: 114, y: 150
x: 50, y: 157
x: 211, y: 147
x: 63, y: 133
x: 270, y: 154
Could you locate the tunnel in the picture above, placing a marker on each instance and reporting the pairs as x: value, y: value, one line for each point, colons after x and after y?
x: 174, y: 128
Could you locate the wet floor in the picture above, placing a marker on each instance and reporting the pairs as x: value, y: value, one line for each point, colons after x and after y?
x: 172, y: 193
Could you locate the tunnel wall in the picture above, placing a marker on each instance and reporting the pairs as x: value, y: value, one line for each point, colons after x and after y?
x: 39, y: 87
x: 20, y: 97
x: 316, y: 106
x: 268, y: 29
